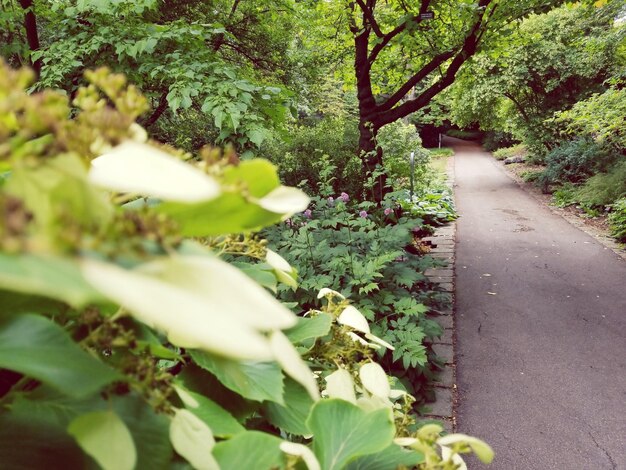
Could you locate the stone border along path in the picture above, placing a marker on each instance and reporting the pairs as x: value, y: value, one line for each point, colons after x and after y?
x: 445, y: 388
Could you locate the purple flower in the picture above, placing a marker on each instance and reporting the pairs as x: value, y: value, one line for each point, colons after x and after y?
x: 307, y: 213
x: 363, y: 214
x: 331, y: 201
x: 388, y: 211
x: 344, y: 197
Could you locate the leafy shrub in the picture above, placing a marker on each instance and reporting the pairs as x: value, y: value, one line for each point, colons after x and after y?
x: 494, y: 140
x: 565, y: 195
x: 600, y: 118
x: 200, y: 366
x: 574, y: 162
x: 518, y: 150
x: 298, y: 155
x: 434, y: 207
x: 398, y: 140
x: 359, y: 250
x: 531, y: 176
x: 603, y: 189
x: 617, y: 220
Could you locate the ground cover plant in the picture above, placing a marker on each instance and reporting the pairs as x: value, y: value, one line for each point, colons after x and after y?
x: 137, y: 329
x: 360, y: 250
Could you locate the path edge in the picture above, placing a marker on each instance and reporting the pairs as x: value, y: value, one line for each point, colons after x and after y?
x: 444, y: 239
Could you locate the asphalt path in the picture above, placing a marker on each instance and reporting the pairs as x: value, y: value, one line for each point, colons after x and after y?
x: 541, y: 328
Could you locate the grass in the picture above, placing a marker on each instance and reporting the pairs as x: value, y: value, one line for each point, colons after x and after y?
x: 439, y: 160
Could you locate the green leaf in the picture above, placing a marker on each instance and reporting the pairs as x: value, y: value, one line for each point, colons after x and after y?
x: 257, y: 381
x: 292, y: 416
x: 391, y: 458
x: 29, y: 441
x: 193, y: 440
x: 221, y: 422
x: 105, y: 437
x: 58, y: 187
x: 38, y: 348
x: 229, y: 213
x: 343, y: 431
x: 150, y: 431
x: 258, y: 175
x: 308, y: 328
x: 46, y: 276
x: 251, y: 449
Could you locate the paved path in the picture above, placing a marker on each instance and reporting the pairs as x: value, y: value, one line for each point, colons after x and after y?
x: 541, y: 329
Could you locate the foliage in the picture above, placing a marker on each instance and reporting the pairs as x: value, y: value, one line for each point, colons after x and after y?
x: 180, y: 62
x: 302, y: 155
x: 600, y: 117
x: 434, y: 206
x: 201, y: 363
x: 442, y: 152
x: 398, y: 140
x: 602, y: 189
x: 514, y: 151
x: 358, y: 248
x: 617, y: 220
x: 551, y: 61
x: 574, y: 162
x: 495, y: 140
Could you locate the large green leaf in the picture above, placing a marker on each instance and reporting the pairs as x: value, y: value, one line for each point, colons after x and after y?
x: 292, y: 416
x: 12, y: 303
x: 343, y: 431
x: 257, y: 381
x: 389, y: 459
x: 29, y: 442
x: 229, y: 213
x: 47, y: 276
x: 150, y: 431
x: 56, y: 188
x: 221, y: 422
x: 250, y: 449
x: 193, y: 440
x: 104, y: 436
x: 38, y: 348
x: 309, y: 328
x: 258, y: 175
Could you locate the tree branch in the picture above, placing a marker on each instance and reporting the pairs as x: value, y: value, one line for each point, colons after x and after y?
x: 369, y: 15
x: 158, y: 111
x: 386, y: 38
x: 467, y: 50
x: 415, y: 79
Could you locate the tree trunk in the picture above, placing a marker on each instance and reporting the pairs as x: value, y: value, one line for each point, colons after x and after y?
x: 372, y: 160
x: 30, y: 25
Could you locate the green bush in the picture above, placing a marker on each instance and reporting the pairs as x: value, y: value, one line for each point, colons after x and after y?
x: 298, y: 154
x: 137, y: 327
x: 518, y: 150
x: 359, y: 249
x: 604, y: 189
x: 398, y: 140
x: 617, y: 220
x: 494, y: 140
x: 574, y: 162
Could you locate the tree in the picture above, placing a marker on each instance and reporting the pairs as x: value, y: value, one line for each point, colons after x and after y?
x: 406, y: 53
x: 217, y: 65
x: 553, y: 61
